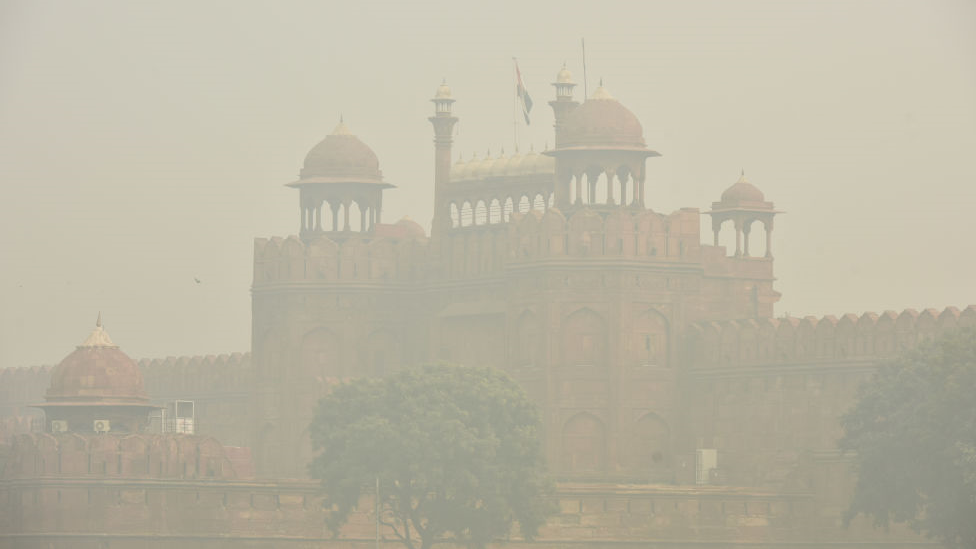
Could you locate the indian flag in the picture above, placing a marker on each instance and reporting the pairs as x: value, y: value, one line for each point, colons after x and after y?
x: 523, y: 96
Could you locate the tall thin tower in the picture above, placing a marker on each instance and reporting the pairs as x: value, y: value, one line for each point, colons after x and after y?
x: 443, y: 122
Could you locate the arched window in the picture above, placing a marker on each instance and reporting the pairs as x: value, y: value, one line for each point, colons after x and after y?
x: 480, y: 213
x: 494, y: 212
x: 539, y: 203
x: 455, y: 215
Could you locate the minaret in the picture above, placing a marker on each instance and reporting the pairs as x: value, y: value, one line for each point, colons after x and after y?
x: 443, y: 122
x: 563, y: 104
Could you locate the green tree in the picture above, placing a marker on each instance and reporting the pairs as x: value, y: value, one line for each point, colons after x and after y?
x: 456, y: 450
x: 914, y: 432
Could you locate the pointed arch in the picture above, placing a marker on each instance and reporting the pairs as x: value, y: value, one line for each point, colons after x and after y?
x: 455, y: 215
x: 651, y: 443
x: 584, y: 444
x: 584, y: 338
x: 481, y: 213
x: 651, y: 338
x: 527, y: 339
x: 539, y: 203
x: 320, y: 354
x: 381, y: 353
x: 494, y: 212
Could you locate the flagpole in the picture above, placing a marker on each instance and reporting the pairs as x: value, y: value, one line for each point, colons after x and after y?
x: 515, y: 103
x: 586, y: 94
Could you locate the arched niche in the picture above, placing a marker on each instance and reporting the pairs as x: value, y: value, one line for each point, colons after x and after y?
x: 381, y: 353
x: 584, y: 338
x: 651, y: 451
x: 320, y: 354
x: 527, y: 339
x: 651, y: 339
x: 584, y: 444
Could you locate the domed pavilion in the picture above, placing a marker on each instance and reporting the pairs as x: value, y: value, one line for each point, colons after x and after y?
x: 97, y: 388
x: 344, y: 173
x: 600, y: 150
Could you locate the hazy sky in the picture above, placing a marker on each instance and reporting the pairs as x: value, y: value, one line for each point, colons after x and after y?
x: 145, y: 145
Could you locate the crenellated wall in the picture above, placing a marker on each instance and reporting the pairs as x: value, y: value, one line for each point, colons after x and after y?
x: 219, y: 385
x: 769, y: 394
x: 350, y: 257
x: 739, y: 343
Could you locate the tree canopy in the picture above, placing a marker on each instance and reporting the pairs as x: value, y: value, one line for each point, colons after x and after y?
x: 914, y: 432
x: 456, y: 450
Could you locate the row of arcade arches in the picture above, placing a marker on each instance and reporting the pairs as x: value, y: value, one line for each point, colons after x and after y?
x: 496, y: 211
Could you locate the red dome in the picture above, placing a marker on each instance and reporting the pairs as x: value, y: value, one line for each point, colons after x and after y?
x: 341, y: 156
x: 97, y: 371
x: 602, y: 121
x: 743, y: 191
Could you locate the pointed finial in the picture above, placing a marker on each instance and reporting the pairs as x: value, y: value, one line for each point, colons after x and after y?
x: 743, y: 174
x: 341, y: 121
x: 98, y: 321
x: 501, y: 154
x: 601, y: 80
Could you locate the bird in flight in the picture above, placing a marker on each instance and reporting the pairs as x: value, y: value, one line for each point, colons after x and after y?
x: 197, y: 280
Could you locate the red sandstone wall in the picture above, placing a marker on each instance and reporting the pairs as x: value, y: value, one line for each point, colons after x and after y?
x: 72, y: 512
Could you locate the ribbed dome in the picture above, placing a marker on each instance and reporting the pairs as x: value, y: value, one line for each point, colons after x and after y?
x: 443, y: 91
x: 458, y: 169
x: 564, y: 76
x: 604, y: 122
x: 515, y: 164
x: 499, y: 166
x: 742, y: 191
x: 97, y: 372
x: 341, y: 156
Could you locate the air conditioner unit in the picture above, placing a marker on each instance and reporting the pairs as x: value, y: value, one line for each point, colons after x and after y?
x: 59, y: 426
x: 706, y: 462
x: 102, y: 425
